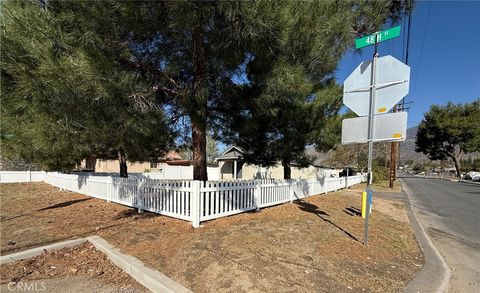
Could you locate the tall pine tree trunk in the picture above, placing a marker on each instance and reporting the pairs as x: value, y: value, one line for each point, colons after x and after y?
x: 456, y: 161
x: 123, y: 163
x: 287, y: 171
x: 199, y: 111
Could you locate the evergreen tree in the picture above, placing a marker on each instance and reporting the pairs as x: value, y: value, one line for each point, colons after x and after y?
x: 288, y: 96
x: 450, y: 131
x: 65, y: 94
x: 212, y: 150
x: 189, y: 51
x: 91, y: 72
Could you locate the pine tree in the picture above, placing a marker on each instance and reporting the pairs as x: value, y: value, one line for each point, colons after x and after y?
x: 449, y: 131
x: 90, y: 73
x: 65, y: 93
x: 288, y: 96
x: 189, y: 51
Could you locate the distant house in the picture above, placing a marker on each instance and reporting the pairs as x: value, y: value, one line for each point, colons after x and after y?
x: 232, y: 166
x: 100, y: 165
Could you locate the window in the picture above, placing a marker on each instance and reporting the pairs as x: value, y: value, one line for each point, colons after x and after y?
x: 153, y: 165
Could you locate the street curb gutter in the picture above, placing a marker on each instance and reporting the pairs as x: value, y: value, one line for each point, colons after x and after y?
x: 150, y: 279
x: 435, y: 275
x: 4, y: 259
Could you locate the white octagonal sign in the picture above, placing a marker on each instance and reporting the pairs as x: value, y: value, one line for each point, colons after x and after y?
x: 392, y: 83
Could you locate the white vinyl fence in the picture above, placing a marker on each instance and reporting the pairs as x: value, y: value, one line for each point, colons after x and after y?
x: 192, y: 200
x: 21, y: 176
x: 181, y: 172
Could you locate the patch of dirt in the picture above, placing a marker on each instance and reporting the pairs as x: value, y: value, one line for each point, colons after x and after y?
x: 393, y: 209
x: 83, y: 261
x: 37, y: 214
x: 312, y: 245
x: 382, y: 186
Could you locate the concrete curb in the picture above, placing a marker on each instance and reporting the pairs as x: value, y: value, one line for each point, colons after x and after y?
x: 435, y: 275
x: 461, y: 181
x: 4, y: 259
x: 470, y: 182
x: 150, y: 279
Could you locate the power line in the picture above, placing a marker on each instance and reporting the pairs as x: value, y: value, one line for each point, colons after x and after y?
x: 409, y: 31
x: 421, y: 48
x: 403, y: 37
x: 406, y: 47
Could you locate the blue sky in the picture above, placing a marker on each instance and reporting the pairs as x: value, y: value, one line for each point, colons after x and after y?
x: 444, y: 55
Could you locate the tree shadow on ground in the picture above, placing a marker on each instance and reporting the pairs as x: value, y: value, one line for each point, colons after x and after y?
x: 311, y: 208
x: 133, y: 213
x: 64, y: 204
x: 58, y: 205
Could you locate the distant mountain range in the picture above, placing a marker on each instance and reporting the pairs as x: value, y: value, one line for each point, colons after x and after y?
x: 407, y: 147
x: 407, y: 150
x: 412, y: 132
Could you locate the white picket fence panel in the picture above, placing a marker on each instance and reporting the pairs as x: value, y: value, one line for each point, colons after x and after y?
x: 189, y: 200
x: 225, y: 198
x: 170, y: 198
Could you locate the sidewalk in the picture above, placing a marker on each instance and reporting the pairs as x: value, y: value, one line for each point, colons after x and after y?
x: 435, y: 275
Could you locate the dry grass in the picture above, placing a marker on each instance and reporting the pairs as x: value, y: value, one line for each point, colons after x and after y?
x: 312, y: 246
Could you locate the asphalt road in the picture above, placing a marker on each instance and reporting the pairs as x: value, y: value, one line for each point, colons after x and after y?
x: 450, y: 213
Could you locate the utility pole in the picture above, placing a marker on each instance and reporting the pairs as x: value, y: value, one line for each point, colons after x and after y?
x: 395, y: 146
x: 393, y: 157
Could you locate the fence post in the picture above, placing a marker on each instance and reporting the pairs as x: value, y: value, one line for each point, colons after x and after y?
x: 291, y: 189
x: 109, y: 188
x: 195, y: 203
x: 140, y: 196
x: 346, y: 181
x: 256, y: 194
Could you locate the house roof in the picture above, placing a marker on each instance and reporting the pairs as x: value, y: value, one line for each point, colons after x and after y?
x: 178, y: 163
x: 187, y: 163
x: 171, y: 156
x: 231, y: 153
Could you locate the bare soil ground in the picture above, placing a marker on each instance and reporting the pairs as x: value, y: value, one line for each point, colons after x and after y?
x: 308, y: 246
x: 82, y: 263
x: 382, y: 186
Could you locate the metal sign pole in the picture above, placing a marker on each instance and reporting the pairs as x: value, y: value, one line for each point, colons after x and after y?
x: 371, y: 117
x: 361, y: 89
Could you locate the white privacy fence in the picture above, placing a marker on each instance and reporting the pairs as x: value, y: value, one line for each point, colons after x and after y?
x: 181, y: 172
x: 191, y: 200
x: 21, y: 176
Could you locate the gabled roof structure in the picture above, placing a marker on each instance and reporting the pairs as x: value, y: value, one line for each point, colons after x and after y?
x: 231, y: 153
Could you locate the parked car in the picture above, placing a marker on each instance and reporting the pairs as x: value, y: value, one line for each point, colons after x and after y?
x: 343, y: 173
x: 472, y: 175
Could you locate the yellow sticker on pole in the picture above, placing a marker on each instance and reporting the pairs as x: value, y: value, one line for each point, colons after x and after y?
x: 364, y: 204
x: 382, y: 110
x: 397, y: 135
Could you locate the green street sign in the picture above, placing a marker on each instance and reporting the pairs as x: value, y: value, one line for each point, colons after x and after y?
x: 378, y: 37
